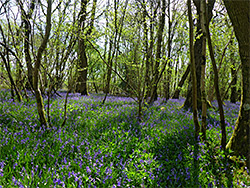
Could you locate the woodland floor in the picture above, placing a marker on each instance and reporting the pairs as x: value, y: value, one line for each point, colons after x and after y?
x: 106, y: 146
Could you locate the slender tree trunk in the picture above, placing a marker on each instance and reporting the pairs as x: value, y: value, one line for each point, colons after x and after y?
x: 211, y: 96
x: 13, y: 84
x: 154, y: 94
x: 39, y: 98
x: 198, y: 54
x: 181, y: 83
x: 82, y: 72
x: 26, y: 16
x: 233, y: 96
x: 169, y: 69
x: 239, y: 13
x: 147, y: 54
x: 216, y: 84
x: 8, y: 69
x: 230, y: 84
x: 193, y: 73
x: 203, y: 70
x: 114, y: 44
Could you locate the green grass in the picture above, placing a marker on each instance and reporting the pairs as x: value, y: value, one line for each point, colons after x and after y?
x: 106, y: 146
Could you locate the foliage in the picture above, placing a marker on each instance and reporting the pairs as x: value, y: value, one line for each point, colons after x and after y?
x: 106, y: 146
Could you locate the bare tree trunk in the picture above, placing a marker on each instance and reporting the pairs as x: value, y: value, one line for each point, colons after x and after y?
x: 39, y: 98
x: 193, y: 73
x: 114, y: 44
x: 81, y: 86
x: 8, y: 69
x: 203, y: 70
x: 26, y: 16
x: 216, y: 84
x: 169, y: 69
x: 180, y: 84
x: 198, y: 54
x: 233, y: 96
x: 154, y: 94
x: 147, y: 54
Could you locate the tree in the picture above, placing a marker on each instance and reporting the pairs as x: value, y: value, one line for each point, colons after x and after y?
x: 81, y: 86
x: 193, y: 71
x: 6, y: 62
x: 198, y: 47
x: 156, y: 77
x: 39, y: 98
x: 26, y: 16
x: 216, y: 78
x: 239, y: 13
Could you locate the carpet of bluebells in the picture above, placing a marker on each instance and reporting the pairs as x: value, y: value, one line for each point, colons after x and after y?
x: 106, y: 146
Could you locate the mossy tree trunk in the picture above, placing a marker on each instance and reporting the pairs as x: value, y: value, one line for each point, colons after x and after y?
x: 239, y: 13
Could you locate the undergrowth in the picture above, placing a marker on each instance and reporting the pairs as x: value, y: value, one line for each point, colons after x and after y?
x: 106, y: 146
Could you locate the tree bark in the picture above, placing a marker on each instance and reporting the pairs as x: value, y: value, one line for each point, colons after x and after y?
x: 193, y: 71
x: 39, y: 98
x: 154, y: 94
x: 169, y: 69
x: 203, y: 70
x: 233, y: 96
x: 198, y: 54
x: 180, y: 84
x: 8, y: 69
x: 239, y: 13
x: 216, y: 84
x: 26, y: 16
x: 81, y: 86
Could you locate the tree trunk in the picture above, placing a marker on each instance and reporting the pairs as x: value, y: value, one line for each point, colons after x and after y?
x: 39, y: 98
x: 81, y: 86
x: 193, y: 71
x: 147, y: 54
x: 26, y: 16
x: 203, y: 70
x: 169, y: 69
x: 198, y: 54
x: 180, y: 84
x: 8, y: 69
x: 233, y: 96
x: 216, y: 84
x: 154, y: 94
x: 239, y: 13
